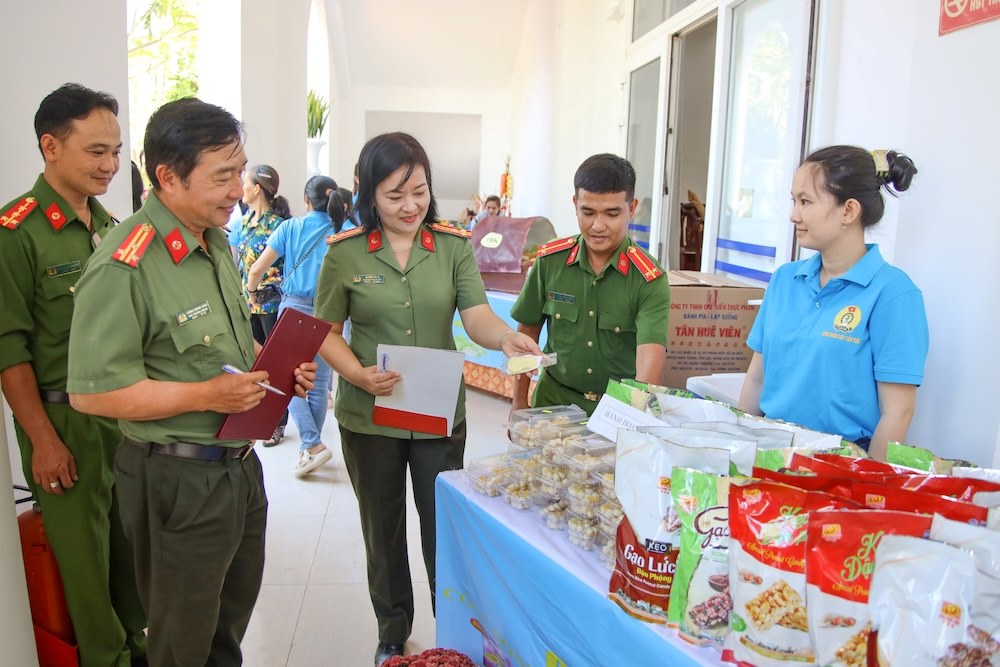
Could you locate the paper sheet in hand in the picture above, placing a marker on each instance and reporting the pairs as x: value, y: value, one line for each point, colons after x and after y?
x: 295, y: 339
x: 424, y: 400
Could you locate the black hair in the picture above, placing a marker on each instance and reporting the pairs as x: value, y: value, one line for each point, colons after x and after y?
x: 492, y: 198
x: 267, y: 178
x: 381, y: 156
x: 137, y: 187
x: 605, y: 173
x: 178, y: 132
x: 849, y: 172
x: 323, y: 195
x: 67, y: 103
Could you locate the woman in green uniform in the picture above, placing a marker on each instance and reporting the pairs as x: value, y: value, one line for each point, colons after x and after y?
x: 399, y: 278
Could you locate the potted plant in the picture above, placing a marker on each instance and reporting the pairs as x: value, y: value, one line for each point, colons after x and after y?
x: 317, y: 113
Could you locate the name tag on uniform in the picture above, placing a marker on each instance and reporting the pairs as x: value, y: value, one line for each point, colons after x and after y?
x: 559, y: 296
x: 193, y: 313
x: 369, y: 279
x: 64, y: 269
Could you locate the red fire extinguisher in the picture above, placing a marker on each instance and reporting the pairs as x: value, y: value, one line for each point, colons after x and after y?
x: 54, y: 636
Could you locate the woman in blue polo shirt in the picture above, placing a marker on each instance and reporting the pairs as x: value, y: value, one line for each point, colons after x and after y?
x: 841, y: 338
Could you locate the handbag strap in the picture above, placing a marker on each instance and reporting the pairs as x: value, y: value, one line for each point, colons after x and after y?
x: 308, y: 252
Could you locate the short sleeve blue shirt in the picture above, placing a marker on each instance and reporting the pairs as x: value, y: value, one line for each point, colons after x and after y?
x: 292, y: 240
x: 825, y: 349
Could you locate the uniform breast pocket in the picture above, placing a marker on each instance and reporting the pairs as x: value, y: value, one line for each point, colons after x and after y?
x: 201, y: 338
x: 56, y: 287
x: 619, y: 325
x: 563, y: 319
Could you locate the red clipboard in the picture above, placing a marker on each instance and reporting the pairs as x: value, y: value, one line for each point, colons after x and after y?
x: 295, y: 339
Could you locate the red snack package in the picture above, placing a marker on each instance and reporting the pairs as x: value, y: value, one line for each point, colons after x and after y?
x: 960, y: 488
x: 860, y: 465
x: 838, y: 486
x: 768, y: 526
x: 840, y: 558
x: 826, y: 469
x: 882, y: 497
x: 641, y: 581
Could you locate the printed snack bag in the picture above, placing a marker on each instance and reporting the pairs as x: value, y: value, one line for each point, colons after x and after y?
x: 699, y: 600
x: 741, y: 448
x: 837, y: 486
x: 840, y: 558
x: 931, y: 605
x: 921, y: 459
x: 964, y: 489
x: 768, y: 523
x: 884, y: 497
x: 642, y: 580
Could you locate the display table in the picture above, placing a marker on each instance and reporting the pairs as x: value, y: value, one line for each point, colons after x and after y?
x: 483, y: 367
x: 538, y: 599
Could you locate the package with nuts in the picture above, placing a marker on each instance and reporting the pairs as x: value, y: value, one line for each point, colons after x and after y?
x: 532, y: 427
x: 488, y: 475
x: 699, y: 600
x: 840, y: 558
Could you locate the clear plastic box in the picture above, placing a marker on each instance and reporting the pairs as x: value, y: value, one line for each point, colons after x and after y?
x: 555, y: 514
x: 609, y: 514
x: 525, y: 460
x: 606, y: 478
x: 531, y: 427
x: 519, y: 495
x: 559, y: 434
x: 588, y: 455
x: 488, y: 475
x: 552, y: 478
x: 581, y: 531
x: 606, y: 544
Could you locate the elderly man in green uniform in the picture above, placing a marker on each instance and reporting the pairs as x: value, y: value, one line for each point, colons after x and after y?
x: 604, y: 299
x: 48, y: 235
x: 159, y: 312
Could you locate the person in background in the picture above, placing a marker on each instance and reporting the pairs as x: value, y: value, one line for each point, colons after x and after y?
x: 266, y: 210
x: 841, y: 338
x: 301, y: 243
x: 466, y: 218
x: 400, y: 278
x: 138, y: 188
x: 47, y: 236
x: 491, y: 207
x: 158, y: 313
x: 604, y: 300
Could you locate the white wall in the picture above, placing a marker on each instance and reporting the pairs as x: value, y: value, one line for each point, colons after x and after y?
x: 885, y: 79
x: 51, y: 43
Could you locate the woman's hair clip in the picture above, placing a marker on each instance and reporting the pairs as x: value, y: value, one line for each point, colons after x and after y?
x: 881, y: 163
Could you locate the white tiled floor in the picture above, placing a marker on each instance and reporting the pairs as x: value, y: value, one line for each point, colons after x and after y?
x: 314, y: 608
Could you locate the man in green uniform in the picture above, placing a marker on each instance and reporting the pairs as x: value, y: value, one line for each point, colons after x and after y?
x: 48, y: 235
x: 604, y: 300
x: 159, y: 312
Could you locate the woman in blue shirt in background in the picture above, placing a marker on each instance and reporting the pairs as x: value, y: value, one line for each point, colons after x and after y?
x: 301, y: 242
x: 841, y: 338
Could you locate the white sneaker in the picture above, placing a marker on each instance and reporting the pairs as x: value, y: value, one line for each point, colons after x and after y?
x: 308, y: 462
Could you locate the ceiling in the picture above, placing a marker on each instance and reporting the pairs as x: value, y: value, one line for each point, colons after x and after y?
x: 438, y: 43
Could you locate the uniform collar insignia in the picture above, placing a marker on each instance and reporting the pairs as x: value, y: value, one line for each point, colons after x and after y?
x: 427, y: 239
x: 175, y: 245
x: 572, y: 255
x: 56, y: 217
x: 374, y: 240
x: 622, y: 265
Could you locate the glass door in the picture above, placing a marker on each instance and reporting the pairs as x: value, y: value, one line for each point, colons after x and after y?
x: 765, y: 96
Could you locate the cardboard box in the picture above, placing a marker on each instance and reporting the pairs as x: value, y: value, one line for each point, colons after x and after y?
x: 708, y: 327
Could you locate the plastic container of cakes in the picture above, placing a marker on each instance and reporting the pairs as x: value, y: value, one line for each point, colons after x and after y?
x: 488, y: 475
x: 585, y: 456
x: 560, y: 434
x: 552, y: 478
x: 532, y: 427
x: 555, y: 514
x: 606, y: 478
x: 519, y: 495
x: 604, y: 545
x: 527, y: 461
x: 609, y: 514
x: 581, y: 531
x: 583, y: 499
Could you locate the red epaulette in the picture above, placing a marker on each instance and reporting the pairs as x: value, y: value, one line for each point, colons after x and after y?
x: 18, y: 212
x: 556, y: 246
x: 335, y: 238
x: 134, y: 245
x: 644, y: 263
x: 454, y: 231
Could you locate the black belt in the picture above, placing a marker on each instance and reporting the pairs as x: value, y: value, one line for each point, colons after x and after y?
x: 54, y: 396
x: 589, y: 395
x: 190, y: 450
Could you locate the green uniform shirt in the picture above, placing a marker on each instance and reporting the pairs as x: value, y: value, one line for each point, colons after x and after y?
x: 594, y: 322
x: 361, y: 280
x: 177, y: 315
x: 41, y: 258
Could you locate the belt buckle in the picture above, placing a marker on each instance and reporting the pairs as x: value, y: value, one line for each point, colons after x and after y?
x: 591, y: 396
x: 247, y: 451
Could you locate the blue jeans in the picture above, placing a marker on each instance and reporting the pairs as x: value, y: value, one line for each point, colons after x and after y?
x: 309, y: 413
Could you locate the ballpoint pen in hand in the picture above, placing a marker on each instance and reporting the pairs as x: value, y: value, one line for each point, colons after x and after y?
x: 232, y: 370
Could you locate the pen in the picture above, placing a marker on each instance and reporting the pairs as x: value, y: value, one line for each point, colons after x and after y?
x: 232, y: 370
x: 385, y: 359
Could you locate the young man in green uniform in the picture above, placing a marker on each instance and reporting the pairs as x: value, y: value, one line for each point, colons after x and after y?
x: 604, y: 300
x: 159, y: 312
x: 48, y: 235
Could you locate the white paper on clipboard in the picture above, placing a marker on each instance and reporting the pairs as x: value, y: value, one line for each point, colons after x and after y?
x: 425, y: 398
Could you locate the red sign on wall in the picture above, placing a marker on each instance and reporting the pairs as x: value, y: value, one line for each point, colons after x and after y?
x: 958, y: 14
